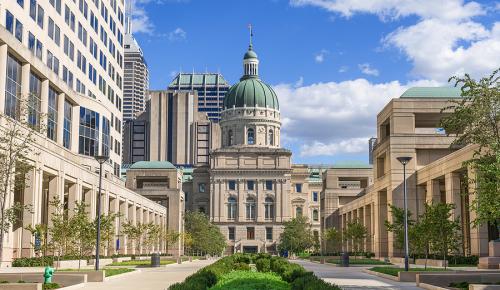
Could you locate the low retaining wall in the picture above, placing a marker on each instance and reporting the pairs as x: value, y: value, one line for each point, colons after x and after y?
x: 121, y: 259
x: 92, y: 276
x: 21, y: 286
x: 444, y: 279
x: 69, y: 264
x: 412, y: 276
x: 64, y: 279
x: 483, y: 287
x: 102, y: 262
x: 432, y: 263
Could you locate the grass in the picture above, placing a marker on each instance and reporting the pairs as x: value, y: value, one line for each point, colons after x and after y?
x: 465, y: 285
x: 140, y: 263
x: 248, y: 280
x: 112, y: 272
x: 362, y: 261
x: 49, y: 286
x: 393, y: 271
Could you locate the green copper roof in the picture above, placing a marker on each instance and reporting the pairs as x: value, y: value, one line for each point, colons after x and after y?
x: 250, y: 54
x: 251, y: 92
x: 152, y: 165
x: 197, y: 79
x: 432, y: 92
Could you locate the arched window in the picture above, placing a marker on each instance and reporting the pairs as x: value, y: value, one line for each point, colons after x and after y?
x: 271, y: 137
x: 269, y: 208
x: 251, y: 209
x: 298, y: 211
x: 315, y: 215
x: 230, y: 137
x: 231, y: 208
x: 250, y: 136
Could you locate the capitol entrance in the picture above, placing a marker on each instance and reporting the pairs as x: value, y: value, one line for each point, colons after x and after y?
x: 250, y: 249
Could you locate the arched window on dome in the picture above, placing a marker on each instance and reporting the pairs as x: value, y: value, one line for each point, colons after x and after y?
x: 231, y: 208
x: 269, y: 208
x: 250, y: 136
x: 271, y: 137
x: 251, y: 209
x: 230, y: 137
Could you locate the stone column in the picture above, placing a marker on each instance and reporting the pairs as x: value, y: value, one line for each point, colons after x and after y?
x: 115, y: 209
x: 452, y: 185
x: 433, y: 195
x: 478, y: 234
x: 217, y: 200
x: 277, y: 201
x: 28, y: 218
x: 3, y: 76
x: 121, y: 220
x: 72, y: 198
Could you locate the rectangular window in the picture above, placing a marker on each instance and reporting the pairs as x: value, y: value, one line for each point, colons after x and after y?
x: 231, y: 235
x: 52, y: 115
x: 19, y: 31
x: 232, y: 185
x: 21, y: 3
x: 250, y: 185
x: 315, y: 196
x: 201, y: 187
x: 298, y: 187
x: 39, y: 49
x: 54, y: 32
x: 68, y: 117
x: 12, y: 87
x: 89, y: 132
x: 269, y: 234
x: 33, y: 9
x: 56, y: 4
x: 41, y: 14
x: 31, y: 42
x: 34, y: 100
x: 9, y: 21
x: 269, y: 185
x: 250, y: 233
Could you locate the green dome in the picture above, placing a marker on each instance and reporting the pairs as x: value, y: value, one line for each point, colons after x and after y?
x: 250, y: 54
x: 251, y: 92
x: 152, y: 165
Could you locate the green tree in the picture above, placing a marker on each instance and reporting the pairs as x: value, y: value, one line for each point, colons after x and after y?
x: 356, y: 233
x: 152, y: 236
x: 60, y: 232
x: 170, y: 237
x: 296, y: 236
x: 333, y: 240
x: 16, y: 153
x: 397, y: 227
x: 475, y: 119
x: 206, y: 237
x: 107, y: 230
x: 420, y: 237
x: 134, y: 233
x: 83, y: 230
x: 39, y: 232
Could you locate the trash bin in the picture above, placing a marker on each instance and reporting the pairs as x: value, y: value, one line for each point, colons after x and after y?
x: 344, y: 261
x: 155, y: 260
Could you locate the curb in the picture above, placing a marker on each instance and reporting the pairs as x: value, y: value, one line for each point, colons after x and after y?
x: 381, y: 275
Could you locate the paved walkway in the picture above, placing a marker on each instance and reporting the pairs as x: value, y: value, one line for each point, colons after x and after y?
x: 353, y: 277
x: 150, y: 278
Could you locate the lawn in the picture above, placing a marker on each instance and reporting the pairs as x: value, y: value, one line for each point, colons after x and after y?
x: 362, y: 261
x: 140, y: 263
x: 247, y: 280
x: 393, y: 271
x: 112, y: 272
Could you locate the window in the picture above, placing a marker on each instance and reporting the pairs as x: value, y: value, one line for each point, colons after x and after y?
x: 269, y: 185
x: 269, y: 208
x: 250, y: 205
x: 315, y: 215
x: 201, y: 209
x: 270, y: 137
x: 33, y: 9
x: 89, y: 132
x: 250, y: 136
x: 298, y: 187
x: 19, y: 31
x: 93, y: 48
x: 298, y: 211
x: 39, y: 49
x: 68, y: 117
x: 41, y: 14
x: 56, y: 4
x: 250, y: 185
x: 82, y: 34
x: 81, y: 62
x: 9, y: 21
x: 34, y: 100
x: 250, y: 233
x: 231, y: 208
x: 54, y: 32
x: 52, y: 115
x: 231, y: 234
x: 232, y: 185
x: 83, y: 7
x: 21, y: 3
x: 201, y: 187
x: 269, y: 234
x: 230, y: 137
x: 12, y: 87
x: 69, y: 17
x: 68, y: 76
x: 31, y: 42
x: 315, y: 196
x: 105, y: 137
x: 69, y: 48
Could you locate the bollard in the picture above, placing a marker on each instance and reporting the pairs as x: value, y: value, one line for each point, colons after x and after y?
x: 179, y: 260
x: 47, y: 275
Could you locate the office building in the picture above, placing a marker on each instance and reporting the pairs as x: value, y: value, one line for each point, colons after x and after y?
x: 136, y: 79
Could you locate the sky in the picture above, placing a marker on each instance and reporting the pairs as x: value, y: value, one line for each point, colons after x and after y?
x: 334, y: 64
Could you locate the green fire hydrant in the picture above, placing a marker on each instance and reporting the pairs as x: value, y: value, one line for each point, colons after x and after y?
x: 48, y: 273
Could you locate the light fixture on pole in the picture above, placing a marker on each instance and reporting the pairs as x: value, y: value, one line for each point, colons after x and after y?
x: 404, y: 161
x: 101, y: 159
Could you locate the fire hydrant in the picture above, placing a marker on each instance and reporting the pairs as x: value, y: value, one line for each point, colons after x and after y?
x: 48, y: 273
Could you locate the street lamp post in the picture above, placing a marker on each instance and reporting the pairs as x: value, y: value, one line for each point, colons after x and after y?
x: 404, y: 161
x: 101, y: 159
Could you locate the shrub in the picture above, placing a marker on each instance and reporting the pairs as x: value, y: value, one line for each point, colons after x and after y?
x: 311, y: 282
x: 263, y: 265
x: 33, y: 262
x: 50, y: 286
x: 241, y: 266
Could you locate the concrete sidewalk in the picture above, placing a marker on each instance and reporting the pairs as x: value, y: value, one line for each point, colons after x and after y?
x: 150, y: 278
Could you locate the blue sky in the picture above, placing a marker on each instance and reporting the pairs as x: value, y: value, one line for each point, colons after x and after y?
x: 333, y: 63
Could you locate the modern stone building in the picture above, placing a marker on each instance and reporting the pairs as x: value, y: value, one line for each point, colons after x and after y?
x: 409, y: 126
x: 210, y: 88
x: 68, y: 58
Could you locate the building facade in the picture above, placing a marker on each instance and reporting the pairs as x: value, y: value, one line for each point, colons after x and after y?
x: 136, y: 79
x: 409, y: 126
x: 66, y: 60
x: 210, y: 88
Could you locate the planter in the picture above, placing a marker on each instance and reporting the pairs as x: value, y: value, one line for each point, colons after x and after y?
x: 432, y: 263
x: 397, y: 260
x: 69, y: 264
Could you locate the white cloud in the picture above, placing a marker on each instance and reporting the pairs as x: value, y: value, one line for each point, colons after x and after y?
x: 320, y: 56
x: 335, y: 117
x: 140, y: 19
x: 445, y: 39
x: 177, y: 34
x: 343, y: 69
x: 367, y: 69
x: 299, y: 82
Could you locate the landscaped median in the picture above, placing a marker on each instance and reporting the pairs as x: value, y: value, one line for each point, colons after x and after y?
x: 356, y: 261
x: 239, y: 272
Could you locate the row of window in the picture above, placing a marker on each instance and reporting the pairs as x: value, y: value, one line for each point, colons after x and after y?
x: 251, y: 137
x: 231, y: 185
x: 250, y: 233
x: 251, y: 204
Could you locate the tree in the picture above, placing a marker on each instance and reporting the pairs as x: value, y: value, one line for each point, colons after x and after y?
x: 107, y: 228
x: 296, y: 236
x: 206, y: 237
x: 475, y: 119
x: 356, y: 233
x: 60, y: 232
x: 40, y: 244
x: 134, y: 233
x: 420, y: 237
x: 16, y: 148
x: 152, y: 236
x: 171, y: 236
x: 333, y: 239
x: 83, y: 230
x: 397, y: 227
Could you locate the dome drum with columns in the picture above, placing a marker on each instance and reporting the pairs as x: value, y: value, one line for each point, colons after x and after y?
x: 251, y: 114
